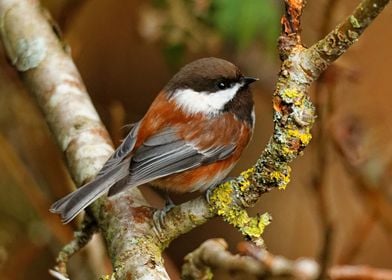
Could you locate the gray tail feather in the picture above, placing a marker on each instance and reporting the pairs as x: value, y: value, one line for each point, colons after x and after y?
x: 72, y: 204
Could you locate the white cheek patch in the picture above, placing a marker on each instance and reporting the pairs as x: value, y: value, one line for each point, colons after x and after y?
x: 203, y: 102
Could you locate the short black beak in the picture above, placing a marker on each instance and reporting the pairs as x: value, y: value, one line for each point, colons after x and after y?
x: 249, y: 80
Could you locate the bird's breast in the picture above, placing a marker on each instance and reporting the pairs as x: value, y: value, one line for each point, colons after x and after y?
x: 203, y: 133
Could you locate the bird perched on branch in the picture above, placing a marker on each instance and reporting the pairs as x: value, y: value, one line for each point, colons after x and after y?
x: 190, y: 138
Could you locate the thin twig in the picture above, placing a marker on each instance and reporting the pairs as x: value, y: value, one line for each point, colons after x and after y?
x: 347, y: 33
x: 81, y: 238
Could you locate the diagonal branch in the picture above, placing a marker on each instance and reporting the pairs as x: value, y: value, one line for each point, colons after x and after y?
x: 332, y: 46
x: 50, y: 74
x: 293, y: 119
x: 136, y: 250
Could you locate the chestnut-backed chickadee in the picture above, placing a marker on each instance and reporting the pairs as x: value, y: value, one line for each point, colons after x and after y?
x: 190, y: 138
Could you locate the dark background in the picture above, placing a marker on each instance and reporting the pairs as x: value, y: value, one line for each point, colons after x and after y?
x: 127, y: 51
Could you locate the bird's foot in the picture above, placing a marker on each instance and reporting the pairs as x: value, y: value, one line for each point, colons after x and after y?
x: 160, y: 214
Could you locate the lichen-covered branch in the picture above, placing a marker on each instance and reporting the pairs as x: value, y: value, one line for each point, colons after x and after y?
x: 133, y: 243
x: 293, y: 118
x: 347, y: 33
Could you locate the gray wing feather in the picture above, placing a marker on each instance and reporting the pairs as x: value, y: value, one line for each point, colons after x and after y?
x: 114, y: 170
x: 122, y: 151
x: 165, y: 136
x: 156, y: 165
x: 146, y: 153
x: 156, y: 159
x: 70, y: 205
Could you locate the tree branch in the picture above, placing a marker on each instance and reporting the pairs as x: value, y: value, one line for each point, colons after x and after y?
x: 135, y: 250
x: 213, y: 254
x: 347, y: 33
x: 49, y: 73
x: 293, y: 119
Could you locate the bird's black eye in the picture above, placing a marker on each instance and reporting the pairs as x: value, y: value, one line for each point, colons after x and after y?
x: 223, y: 85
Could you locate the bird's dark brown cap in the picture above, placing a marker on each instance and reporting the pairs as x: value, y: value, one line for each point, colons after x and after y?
x: 203, y: 74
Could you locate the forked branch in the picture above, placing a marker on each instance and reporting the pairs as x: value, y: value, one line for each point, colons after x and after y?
x: 136, y: 250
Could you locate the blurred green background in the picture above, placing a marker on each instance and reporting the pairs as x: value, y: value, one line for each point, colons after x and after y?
x: 339, y: 201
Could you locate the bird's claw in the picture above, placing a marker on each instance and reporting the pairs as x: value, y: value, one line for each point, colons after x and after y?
x: 208, y: 193
x: 160, y: 214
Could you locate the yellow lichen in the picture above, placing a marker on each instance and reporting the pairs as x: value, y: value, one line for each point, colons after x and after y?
x: 286, y: 150
x: 236, y: 216
x: 304, y: 137
x: 221, y: 198
x: 284, y: 185
x: 221, y: 203
x: 291, y: 93
x: 256, y: 225
x: 298, y: 101
x: 249, y: 226
x: 108, y: 277
x: 245, y: 183
x: 280, y: 178
x: 286, y: 180
x: 276, y: 176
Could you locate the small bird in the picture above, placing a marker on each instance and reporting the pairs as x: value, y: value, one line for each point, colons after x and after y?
x: 190, y: 138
